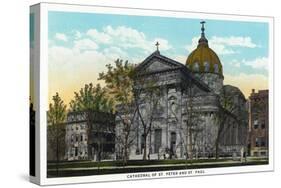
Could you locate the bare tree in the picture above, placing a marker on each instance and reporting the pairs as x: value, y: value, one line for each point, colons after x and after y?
x: 227, y: 109
x: 147, y: 95
x: 126, y: 116
x: 192, y: 123
x: 147, y: 102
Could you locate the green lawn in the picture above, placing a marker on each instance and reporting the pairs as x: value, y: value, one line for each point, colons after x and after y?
x: 85, y: 168
x: 79, y: 164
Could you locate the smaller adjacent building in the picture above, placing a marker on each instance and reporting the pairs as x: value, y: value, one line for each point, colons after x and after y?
x: 258, y: 123
x: 90, y: 135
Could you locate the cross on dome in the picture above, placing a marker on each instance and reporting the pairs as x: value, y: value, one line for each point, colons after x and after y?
x: 203, y: 39
x: 202, y: 27
x: 157, y: 46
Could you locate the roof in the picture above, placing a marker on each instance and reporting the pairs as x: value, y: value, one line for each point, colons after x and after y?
x: 172, y: 65
x: 233, y: 91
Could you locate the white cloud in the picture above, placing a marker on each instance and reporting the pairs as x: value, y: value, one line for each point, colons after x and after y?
x: 237, y: 64
x: 217, y: 47
x: 258, y: 63
x: 82, y: 55
x: 234, y: 41
x: 224, y: 45
x: 234, y: 63
x: 61, y: 36
x: 126, y: 34
x: 163, y: 44
x: 86, y: 48
x: 59, y: 55
x: 221, y: 49
x: 89, y: 54
x: 85, y: 44
x: 99, y: 37
x: 127, y: 37
x: 78, y: 34
x: 77, y: 67
x: 115, y: 53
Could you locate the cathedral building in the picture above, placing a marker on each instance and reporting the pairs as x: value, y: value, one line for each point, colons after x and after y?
x: 185, y: 111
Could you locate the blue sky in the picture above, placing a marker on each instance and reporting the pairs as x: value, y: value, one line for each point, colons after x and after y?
x: 241, y: 46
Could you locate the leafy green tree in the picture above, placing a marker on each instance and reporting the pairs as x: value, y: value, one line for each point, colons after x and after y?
x: 91, y: 98
x: 130, y: 89
x: 56, y: 129
x: 119, y: 83
x: 57, y: 111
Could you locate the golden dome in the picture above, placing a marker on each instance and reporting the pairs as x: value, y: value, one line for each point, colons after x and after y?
x: 203, y: 59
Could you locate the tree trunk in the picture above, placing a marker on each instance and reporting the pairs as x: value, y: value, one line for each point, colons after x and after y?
x: 144, y: 148
x: 218, y: 139
x: 190, y: 153
x: 125, y: 155
x: 217, y: 148
x: 57, y: 148
x: 186, y: 148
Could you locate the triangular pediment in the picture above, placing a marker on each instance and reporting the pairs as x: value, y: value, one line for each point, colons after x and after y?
x: 156, y: 62
x: 157, y: 65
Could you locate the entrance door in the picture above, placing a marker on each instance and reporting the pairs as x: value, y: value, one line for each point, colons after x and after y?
x: 157, y: 140
x: 173, y: 143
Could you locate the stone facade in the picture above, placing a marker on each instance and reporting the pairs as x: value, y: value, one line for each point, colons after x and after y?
x: 214, y: 81
x: 90, y: 135
x: 184, y: 121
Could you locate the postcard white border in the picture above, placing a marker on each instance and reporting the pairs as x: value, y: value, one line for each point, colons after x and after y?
x: 45, y: 7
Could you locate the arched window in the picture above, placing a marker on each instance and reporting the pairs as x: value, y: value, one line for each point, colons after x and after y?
x: 173, y: 106
x: 206, y: 66
x: 216, y: 68
x: 172, y: 98
x: 196, y: 66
